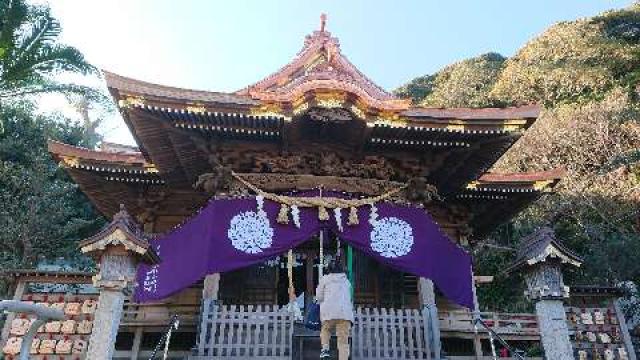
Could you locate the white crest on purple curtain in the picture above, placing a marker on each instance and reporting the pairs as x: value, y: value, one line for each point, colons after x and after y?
x: 391, y: 237
x: 150, y: 283
x: 295, y: 214
x: 250, y: 232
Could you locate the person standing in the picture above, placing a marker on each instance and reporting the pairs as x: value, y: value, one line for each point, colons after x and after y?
x: 336, y: 309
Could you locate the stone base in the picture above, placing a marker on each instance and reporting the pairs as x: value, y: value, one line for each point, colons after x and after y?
x: 553, y: 329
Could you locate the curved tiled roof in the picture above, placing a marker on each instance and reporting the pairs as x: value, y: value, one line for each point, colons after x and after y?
x: 534, y: 246
x: 320, y: 65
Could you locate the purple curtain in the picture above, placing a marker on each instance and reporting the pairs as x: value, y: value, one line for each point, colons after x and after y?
x: 232, y: 234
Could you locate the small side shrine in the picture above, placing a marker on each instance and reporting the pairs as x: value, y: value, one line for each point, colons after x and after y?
x: 569, y: 327
x: 541, y: 258
x: 117, y: 250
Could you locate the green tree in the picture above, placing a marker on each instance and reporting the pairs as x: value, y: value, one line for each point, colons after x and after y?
x: 44, y: 213
x: 30, y: 54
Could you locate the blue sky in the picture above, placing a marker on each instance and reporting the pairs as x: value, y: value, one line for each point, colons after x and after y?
x: 225, y: 45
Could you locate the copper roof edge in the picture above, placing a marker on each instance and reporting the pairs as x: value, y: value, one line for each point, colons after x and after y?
x: 140, y: 87
x: 553, y: 174
x: 531, y: 111
x: 58, y: 148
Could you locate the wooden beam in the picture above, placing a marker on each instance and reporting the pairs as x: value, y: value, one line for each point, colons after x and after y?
x: 624, y: 329
x: 211, y: 288
x: 480, y: 279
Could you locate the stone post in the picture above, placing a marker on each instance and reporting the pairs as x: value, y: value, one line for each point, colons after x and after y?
x: 546, y: 287
x: 427, y: 293
x: 553, y: 329
x: 114, y: 282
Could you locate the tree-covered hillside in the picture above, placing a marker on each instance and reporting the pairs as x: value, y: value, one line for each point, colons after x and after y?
x: 586, y: 74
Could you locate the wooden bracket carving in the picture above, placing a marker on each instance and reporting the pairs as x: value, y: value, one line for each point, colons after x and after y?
x: 418, y: 190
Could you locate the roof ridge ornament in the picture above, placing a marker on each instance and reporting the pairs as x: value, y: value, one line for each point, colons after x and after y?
x: 323, y: 22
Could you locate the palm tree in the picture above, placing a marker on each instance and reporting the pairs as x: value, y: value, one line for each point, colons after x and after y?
x: 30, y: 55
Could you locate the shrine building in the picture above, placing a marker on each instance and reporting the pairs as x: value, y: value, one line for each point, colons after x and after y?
x: 317, y: 142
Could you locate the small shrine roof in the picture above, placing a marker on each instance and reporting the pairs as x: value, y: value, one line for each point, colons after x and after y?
x: 122, y: 230
x: 539, y: 247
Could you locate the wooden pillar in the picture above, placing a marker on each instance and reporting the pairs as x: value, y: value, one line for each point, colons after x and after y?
x: 137, y: 339
x: 311, y: 291
x: 427, y: 293
x: 350, y: 273
x: 208, y: 310
x: 624, y: 329
x: 477, y: 346
x: 477, y: 342
x: 20, y: 287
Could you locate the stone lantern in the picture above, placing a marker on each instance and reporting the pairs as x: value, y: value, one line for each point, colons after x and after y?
x: 541, y: 258
x: 117, y: 249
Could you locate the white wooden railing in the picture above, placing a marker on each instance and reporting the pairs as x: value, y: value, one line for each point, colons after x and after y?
x: 390, y: 334
x: 502, y: 323
x: 244, y: 332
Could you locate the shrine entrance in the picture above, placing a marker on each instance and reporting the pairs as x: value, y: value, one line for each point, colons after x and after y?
x: 305, y: 268
x: 258, y: 321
